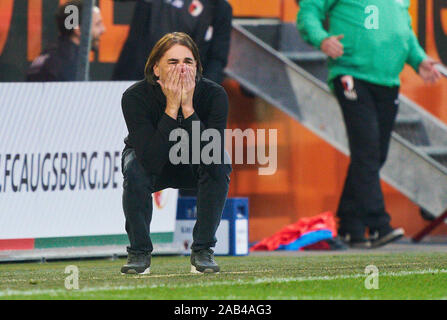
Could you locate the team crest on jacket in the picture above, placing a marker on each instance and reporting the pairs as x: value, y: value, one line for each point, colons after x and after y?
x: 195, y: 8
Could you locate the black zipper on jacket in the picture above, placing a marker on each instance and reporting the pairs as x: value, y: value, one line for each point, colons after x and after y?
x: 180, y: 116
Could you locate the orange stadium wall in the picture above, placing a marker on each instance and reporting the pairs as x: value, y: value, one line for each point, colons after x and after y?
x: 310, y: 173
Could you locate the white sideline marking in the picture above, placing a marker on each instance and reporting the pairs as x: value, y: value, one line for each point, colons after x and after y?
x: 8, y: 292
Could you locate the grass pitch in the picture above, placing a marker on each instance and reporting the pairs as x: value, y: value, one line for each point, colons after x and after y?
x: 263, y: 277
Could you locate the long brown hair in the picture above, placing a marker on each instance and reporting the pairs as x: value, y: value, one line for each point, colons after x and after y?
x: 163, y: 45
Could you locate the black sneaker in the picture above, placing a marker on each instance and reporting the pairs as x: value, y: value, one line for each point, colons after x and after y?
x: 385, y: 235
x: 355, y: 242
x: 137, y: 264
x: 202, y: 261
x: 336, y: 243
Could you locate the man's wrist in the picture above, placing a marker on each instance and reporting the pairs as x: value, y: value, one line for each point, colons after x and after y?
x: 187, y: 110
x: 172, y: 112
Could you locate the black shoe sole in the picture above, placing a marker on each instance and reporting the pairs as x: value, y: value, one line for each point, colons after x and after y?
x: 390, y: 237
x: 202, y: 270
x: 360, y: 245
x: 135, y: 270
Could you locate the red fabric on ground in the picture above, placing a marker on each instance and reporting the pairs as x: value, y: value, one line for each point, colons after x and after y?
x: 321, y: 245
x: 292, y: 232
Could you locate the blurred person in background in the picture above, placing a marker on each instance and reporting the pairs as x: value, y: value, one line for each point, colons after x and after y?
x: 207, y: 22
x: 368, y: 43
x: 59, y: 62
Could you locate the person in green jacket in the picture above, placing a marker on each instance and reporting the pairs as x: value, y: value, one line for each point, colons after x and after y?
x: 368, y: 44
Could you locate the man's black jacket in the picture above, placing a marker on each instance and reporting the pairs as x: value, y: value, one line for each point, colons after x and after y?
x: 154, y: 18
x: 58, y: 63
x: 149, y: 127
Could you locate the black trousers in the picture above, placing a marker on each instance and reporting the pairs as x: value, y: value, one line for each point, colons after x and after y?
x: 369, y: 112
x: 212, y: 184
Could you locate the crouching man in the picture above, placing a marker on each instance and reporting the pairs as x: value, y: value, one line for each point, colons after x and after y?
x: 173, y: 95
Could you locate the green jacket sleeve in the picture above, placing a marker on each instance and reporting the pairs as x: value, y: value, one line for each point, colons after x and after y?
x: 415, y: 53
x: 310, y: 20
